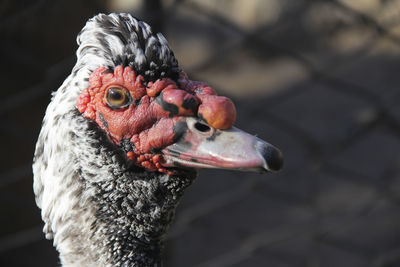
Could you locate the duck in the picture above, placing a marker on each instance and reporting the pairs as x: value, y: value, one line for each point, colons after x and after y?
x: 122, y: 138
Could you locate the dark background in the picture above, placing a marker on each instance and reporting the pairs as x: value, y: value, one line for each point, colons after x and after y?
x: 319, y: 79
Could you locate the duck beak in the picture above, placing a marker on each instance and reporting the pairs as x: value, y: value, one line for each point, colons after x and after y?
x: 201, y: 146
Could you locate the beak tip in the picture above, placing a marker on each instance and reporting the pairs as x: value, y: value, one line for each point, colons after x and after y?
x: 273, y: 158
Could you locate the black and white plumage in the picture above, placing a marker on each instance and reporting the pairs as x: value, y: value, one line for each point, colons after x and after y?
x: 100, y: 209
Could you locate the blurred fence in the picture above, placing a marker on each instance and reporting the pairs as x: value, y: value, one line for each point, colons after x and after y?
x: 319, y: 79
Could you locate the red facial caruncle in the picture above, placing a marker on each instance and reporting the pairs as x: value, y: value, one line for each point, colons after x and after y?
x: 145, y: 114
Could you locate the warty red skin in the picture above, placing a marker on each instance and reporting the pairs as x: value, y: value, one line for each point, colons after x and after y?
x: 148, y: 121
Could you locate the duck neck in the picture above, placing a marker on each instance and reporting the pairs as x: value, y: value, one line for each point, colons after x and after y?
x: 100, y: 209
x: 134, y: 212
x: 134, y: 208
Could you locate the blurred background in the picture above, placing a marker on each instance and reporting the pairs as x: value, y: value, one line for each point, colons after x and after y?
x: 319, y: 79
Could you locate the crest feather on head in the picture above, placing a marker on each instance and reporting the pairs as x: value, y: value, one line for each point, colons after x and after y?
x: 124, y: 40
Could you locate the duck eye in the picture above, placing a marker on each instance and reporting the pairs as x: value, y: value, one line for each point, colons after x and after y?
x: 117, y: 97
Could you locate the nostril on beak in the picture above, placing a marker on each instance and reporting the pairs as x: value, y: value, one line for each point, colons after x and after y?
x: 273, y: 157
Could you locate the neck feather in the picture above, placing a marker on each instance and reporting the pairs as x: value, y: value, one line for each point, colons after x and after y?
x: 100, y: 209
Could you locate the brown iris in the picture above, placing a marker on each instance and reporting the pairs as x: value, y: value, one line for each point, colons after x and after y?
x: 117, y: 97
